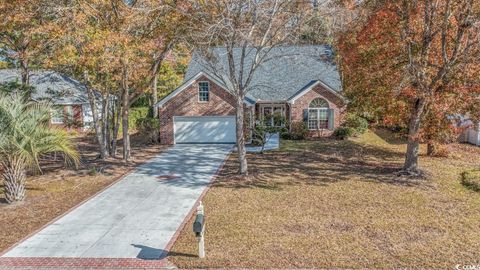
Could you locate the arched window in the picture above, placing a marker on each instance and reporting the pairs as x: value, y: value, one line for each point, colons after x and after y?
x: 318, y: 114
x: 318, y: 103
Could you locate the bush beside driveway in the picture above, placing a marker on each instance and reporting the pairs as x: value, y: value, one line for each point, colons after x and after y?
x: 338, y: 204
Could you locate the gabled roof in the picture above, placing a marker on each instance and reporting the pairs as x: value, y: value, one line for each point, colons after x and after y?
x: 287, y: 70
x: 185, y: 84
x: 310, y: 86
x: 50, y: 85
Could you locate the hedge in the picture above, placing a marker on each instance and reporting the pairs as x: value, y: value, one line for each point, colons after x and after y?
x: 136, y: 113
x: 471, y: 179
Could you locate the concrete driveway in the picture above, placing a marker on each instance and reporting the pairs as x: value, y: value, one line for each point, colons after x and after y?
x: 137, y: 216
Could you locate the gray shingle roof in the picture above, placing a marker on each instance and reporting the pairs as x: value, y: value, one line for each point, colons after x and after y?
x: 50, y: 85
x: 287, y: 70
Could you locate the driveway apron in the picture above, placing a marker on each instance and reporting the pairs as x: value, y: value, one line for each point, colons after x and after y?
x: 137, y: 216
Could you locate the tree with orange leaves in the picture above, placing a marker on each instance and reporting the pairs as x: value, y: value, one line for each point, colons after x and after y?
x: 26, y: 28
x: 117, y: 47
x: 414, y: 63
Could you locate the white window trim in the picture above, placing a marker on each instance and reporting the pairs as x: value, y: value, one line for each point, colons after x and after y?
x: 198, y: 95
x: 56, y: 122
x: 318, y: 117
x: 52, y: 119
x: 250, y: 101
x: 272, y: 106
x: 69, y: 113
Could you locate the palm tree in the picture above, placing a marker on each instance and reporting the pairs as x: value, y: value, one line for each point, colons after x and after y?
x: 25, y: 135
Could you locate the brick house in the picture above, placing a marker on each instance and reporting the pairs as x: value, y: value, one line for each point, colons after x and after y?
x: 298, y: 84
x: 71, y: 108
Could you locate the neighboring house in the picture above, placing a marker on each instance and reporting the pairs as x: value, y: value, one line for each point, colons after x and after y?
x: 69, y: 97
x: 471, y: 135
x: 471, y: 132
x: 297, y: 84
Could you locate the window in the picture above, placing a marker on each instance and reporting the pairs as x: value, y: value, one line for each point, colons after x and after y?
x: 267, y: 111
x: 318, y: 114
x: 278, y: 116
x: 69, y: 113
x: 57, y: 115
x: 203, y: 91
x: 312, y: 119
x: 274, y: 116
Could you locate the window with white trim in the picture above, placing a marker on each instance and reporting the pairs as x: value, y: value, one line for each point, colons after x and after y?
x: 267, y: 115
x: 69, y: 113
x: 274, y: 116
x: 318, y: 111
x: 203, y: 91
x: 57, y: 115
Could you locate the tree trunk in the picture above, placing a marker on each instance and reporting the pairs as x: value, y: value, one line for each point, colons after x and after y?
x: 155, y: 85
x: 15, y: 177
x: 411, y: 158
x: 116, y: 126
x: 242, y: 155
x: 125, y: 110
x: 25, y: 73
x: 155, y: 95
x: 105, y: 125
x: 431, y: 149
x: 126, y: 137
x: 96, y: 120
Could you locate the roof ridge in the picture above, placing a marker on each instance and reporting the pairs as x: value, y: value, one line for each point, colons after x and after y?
x: 31, y: 70
x: 278, y: 77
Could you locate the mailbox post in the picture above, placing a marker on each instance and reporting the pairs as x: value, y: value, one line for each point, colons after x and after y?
x: 199, y: 230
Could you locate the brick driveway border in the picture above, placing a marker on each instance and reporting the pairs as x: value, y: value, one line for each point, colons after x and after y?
x: 105, y: 263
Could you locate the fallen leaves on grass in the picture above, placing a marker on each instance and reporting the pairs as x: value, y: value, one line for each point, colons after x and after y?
x: 338, y: 204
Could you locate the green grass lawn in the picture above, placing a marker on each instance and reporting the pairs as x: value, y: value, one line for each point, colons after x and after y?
x: 338, y: 204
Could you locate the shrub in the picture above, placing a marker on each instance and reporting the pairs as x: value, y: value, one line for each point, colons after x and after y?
x: 343, y: 133
x: 357, y: 123
x: 436, y: 150
x: 277, y: 119
x: 298, y: 131
x: 73, y: 123
x: 258, y: 134
x: 149, y: 127
x: 135, y: 114
x: 93, y: 171
x: 471, y: 179
x: 286, y: 136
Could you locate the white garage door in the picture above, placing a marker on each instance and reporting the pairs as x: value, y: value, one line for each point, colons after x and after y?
x: 204, y: 129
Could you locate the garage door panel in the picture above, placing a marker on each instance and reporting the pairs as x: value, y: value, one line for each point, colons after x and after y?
x: 204, y: 129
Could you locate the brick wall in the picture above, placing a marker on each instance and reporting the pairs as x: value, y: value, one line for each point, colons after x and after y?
x: 221, y: 103
x: 334, y: 102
